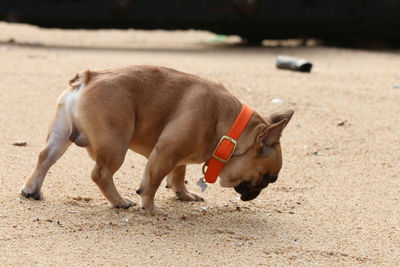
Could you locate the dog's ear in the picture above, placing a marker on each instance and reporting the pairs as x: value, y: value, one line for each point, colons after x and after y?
x: 280, y: 116
x: 270, y: 136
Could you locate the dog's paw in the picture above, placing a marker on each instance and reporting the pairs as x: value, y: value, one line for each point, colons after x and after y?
x: 147, y: 206
x: 188, y: 196
x: 153, y: 211
x: 125, y: 205
x: 34, y: 195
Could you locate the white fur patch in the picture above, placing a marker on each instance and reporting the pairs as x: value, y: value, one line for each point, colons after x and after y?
x: 67, y: 103
x: 62, y: 126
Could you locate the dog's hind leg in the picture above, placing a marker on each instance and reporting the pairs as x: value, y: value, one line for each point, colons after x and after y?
x: 57, y: 143
x: 176, y: 182
x: 61, y: 133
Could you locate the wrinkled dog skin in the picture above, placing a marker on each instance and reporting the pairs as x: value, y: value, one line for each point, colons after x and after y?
x: 171, y: 118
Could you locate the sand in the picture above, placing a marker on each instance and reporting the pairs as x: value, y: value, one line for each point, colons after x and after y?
x: 336, y: 202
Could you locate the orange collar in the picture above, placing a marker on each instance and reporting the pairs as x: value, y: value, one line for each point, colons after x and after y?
x: 226, y: 146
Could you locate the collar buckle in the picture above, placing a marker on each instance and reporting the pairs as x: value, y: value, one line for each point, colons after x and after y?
x: 220, y: 152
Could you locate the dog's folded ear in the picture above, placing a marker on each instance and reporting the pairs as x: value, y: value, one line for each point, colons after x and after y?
x: 271, y: 134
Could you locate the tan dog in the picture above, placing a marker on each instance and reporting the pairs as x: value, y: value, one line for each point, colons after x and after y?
x: 171, y: 118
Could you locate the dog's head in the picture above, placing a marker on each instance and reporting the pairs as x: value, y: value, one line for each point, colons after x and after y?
x: 253, y: 169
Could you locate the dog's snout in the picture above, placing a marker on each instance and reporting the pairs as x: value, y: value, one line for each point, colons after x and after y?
x: 250, y: 196
x: 249, y: 192
x: 246, y: 191
x: 242, y: 188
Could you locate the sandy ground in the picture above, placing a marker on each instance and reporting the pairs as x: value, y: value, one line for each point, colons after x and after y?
x: 336, y: 203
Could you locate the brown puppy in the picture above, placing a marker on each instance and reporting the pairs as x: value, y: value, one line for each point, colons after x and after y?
x: 171, y: 118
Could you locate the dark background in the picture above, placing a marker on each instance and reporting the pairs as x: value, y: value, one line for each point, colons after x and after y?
x: 344, y: 21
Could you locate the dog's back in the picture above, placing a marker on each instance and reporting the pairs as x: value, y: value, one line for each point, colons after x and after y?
x: 127, y: 97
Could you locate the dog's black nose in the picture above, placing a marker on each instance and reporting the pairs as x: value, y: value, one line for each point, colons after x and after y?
x: 250, y: 196
x: 242, y: 188
x: 249, y: 192
x: 246, y: 191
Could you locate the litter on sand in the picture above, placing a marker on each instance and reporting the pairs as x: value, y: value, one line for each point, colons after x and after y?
x: 291, y: 63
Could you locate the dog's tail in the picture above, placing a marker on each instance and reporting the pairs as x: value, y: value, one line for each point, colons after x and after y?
x: 79, y: 79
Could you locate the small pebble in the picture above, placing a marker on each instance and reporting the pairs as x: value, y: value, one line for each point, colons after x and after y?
x: 126, y: 220
x: 238, y: 208
x: 342, y: 123
x: 36, y: 219
x: 277, y: 101
x: 183, y: 218
x: 71, y: 211
x: 396, y: 86
x: 49, y: 220
x: 19, y: 143
x: 203, y: 208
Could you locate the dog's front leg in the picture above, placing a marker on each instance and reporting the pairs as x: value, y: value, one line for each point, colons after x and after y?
x: 176, y: 182
x: 160, y: 163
